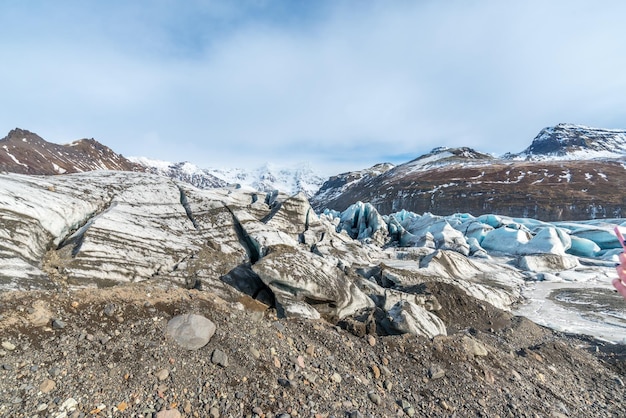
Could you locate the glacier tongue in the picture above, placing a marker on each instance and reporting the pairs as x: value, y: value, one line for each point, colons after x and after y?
x: 103, y: 228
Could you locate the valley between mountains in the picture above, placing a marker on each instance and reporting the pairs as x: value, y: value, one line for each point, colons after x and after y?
x: 132, y: 293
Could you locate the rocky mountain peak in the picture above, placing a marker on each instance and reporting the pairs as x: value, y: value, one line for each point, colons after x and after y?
x: 571, y: 141
x: 21, y: 135
x: 452, y: 155
x: 25, y: 152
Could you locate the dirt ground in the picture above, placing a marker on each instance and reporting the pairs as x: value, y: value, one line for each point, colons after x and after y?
x: 105, y: 353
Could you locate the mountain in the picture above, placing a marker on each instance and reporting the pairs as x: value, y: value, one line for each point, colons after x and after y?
x: 569, y: 172
x: 575, y: 142
x: 24, y: 152
x: 183, y: 171
x: 264, y: 179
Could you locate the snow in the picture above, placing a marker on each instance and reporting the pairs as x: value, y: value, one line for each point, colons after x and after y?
x: 290, y: 180
x: 13, y: 157
x: 58, y: 169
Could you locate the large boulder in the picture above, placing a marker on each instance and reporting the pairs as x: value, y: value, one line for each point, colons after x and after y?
x: 191, y: 331
x: 307, y: 285
x: 408, y: 318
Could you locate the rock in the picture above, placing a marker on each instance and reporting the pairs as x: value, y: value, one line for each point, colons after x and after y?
x: 407, y: 317
x: 191, y: 331
x: 436, y: 372
x: 47, y: 386
x: 69, y: 405
x: 54, y: 371
x: 58, y: 324
x: 474, y: 347
x: 187, y: 406
x: 110, y: 309
x: 162, y: 374
x: 285, y: 382
x: 169, y: 413
x: 375, y: 398
x: 7, y: 345
x: 375, y: 371
x: 255, y: 353
x: 307, y: 285
x: 219, y: 357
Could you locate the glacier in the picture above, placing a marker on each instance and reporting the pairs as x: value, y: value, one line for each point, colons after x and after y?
x: 105, y: 227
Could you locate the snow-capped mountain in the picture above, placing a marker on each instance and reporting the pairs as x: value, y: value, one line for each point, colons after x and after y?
x: 264, y: 179
x: 575, y: 142
x: 24, y: 152
x: 568, y: 173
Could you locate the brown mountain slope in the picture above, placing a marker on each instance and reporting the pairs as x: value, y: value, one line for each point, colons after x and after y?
x: 547, y: 190
x: 24, y: 152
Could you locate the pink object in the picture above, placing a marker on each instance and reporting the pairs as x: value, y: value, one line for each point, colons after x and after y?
x: 620, y: 282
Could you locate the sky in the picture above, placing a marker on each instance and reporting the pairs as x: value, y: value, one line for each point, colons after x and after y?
x: 338, y: 84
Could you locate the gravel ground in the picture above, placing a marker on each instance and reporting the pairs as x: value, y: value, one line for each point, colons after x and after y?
x: 105, y: 353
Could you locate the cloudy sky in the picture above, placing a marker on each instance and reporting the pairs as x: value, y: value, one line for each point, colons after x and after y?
x: 339, y: 84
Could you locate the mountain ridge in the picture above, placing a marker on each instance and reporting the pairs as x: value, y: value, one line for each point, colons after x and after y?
x: 25, y: 152
x: 581, y: 178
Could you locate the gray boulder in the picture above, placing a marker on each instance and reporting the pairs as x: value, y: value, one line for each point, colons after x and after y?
x: 191, y: 331
x: 408, y: 318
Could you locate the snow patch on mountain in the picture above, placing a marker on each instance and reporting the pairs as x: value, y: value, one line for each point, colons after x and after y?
x: 267, y: 178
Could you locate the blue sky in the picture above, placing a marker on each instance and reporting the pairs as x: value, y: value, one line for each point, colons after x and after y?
x: 339, y: 84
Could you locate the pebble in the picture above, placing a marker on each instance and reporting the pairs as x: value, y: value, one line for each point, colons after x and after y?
x: 277, y: 363
x: 58, y: 324
x: 214, y: 412
x: 110, y: 309
x: 162, y: 374
x: 169, y: 413
x: 336, y: 377
x: 69, y: 405
x: 371, y: 340
x: 300, y: 362
x: 436, y: 372
x: 7, y: 345
x: 54, y: 371
x: 220, y: 358
x: 445, y: 405
x: 255, y: 353
x: 375, y: 398
x: 47, y: 386
x: 285, y: 383
x: 388, y: 385
x: 375, y: 371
